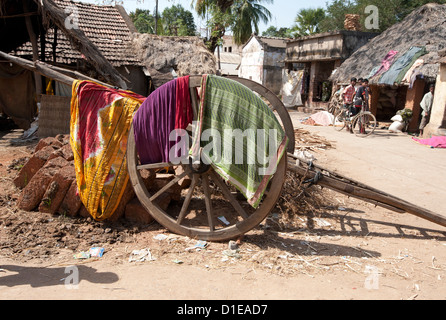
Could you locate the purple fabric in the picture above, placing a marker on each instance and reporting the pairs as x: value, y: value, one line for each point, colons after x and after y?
x: 153, y: 123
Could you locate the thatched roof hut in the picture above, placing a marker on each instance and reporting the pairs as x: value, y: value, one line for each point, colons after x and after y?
x: 166, y: 56
x: 425, y: 26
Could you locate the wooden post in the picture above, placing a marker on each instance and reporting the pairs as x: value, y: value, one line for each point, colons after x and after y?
x: 413, y: 99
x: 374, y: 99
x: 32, y: 37
x: 314, y: 70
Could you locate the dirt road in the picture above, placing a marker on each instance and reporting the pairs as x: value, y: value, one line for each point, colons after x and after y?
x: 343, y: 249
x: 391, y: 162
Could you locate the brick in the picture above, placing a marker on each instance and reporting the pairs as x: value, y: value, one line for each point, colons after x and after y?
x: 163, y: 179
x: 128, y: 195
x: 185, y: 182
x: 57, y: 189
x: 46, y: 142
x: 67, y: 152
x: 33, y: 165
x: 83, y: 212
x: 32, y: 194
x: 135, y: 212
x: 63, y: 138
x: 72, y: 203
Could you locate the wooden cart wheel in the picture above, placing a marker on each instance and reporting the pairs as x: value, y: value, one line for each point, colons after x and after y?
x: 209, y: 208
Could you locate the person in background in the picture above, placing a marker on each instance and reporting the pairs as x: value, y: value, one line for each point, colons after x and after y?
x: 361, y: 98
x: 349, y: 93
x: 426, y: 105
x: 358, y: 84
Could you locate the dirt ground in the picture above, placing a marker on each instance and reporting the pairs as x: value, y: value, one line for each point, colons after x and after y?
x: 321, y: 246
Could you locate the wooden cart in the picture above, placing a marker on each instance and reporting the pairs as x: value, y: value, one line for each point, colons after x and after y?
x: 209, y: 208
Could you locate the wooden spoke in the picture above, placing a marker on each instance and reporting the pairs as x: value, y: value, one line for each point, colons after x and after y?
x: 207, y: 199
x: 228, y: 195
x: 167, y: 186
x: 155, y: 166
x: 187, y: 199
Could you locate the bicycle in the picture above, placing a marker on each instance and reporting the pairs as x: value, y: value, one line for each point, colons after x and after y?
x: 363, y: 124
x: 334, y: 104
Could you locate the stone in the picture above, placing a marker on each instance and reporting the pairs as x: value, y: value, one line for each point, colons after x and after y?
x: 32, y: 194
x: 72, y: 203
x: 128, y: 195
x: 185, y: 182
x: 67, y: 152
x: 135, y: 212
x: 83, y: 212
x: 57, y: 189
x: 46, y: 142
x: 33, y: 165
x: 161, y: 181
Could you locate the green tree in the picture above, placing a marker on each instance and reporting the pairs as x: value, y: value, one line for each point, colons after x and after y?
x: 241, y: 16
x: 389, y: 12
x: 247, y: 16
x: 178, y: 22
x: 144, y: 22
x: 272, y: 31
x: 308, y: 22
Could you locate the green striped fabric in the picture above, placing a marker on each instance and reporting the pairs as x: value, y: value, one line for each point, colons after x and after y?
x: 229, y: 118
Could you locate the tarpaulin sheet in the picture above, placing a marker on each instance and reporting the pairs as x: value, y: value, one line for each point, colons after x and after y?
x: 399, y: 69
x: 291, y: 88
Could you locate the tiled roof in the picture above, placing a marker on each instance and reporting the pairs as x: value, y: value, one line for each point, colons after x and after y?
x: 273, y: 41
x: 102, y: 25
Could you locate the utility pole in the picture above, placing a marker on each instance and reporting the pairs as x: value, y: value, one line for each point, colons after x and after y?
x: 156, y: 17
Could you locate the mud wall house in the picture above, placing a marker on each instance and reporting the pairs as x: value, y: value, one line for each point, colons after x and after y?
x: 400, y: 63
x: 93, y: 41
x: 262, y: 61
x: 317, y: 56
x: 228, y: 57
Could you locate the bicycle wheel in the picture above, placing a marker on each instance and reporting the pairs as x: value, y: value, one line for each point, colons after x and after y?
x: 333, y: 106
x: 340, y: 119
x: 364, y: 124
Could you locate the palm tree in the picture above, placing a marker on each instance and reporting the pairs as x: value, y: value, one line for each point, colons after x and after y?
x: 248, y: 15
x: 241, y: 16
x: 307, y: 21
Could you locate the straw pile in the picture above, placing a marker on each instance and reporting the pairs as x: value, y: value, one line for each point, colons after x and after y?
x: 352, y: 23
x: 181, y: 55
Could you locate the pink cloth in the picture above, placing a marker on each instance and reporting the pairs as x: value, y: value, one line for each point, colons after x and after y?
x: 386, y: 63
x: 435, y: 141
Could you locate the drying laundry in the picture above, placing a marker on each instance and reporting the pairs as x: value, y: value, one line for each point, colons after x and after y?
x: 100, y: 123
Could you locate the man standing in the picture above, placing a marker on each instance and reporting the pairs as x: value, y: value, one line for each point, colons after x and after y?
x: 361, y: 98
x: 426, y: 105
x: 349, y: 93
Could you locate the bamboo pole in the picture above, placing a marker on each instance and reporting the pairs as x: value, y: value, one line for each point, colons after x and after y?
x: 56, y: 73
x: 38, y: 67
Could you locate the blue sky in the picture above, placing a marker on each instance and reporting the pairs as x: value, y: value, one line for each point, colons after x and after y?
x: 283, y: 11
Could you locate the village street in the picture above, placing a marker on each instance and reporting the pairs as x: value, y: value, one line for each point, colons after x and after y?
x: 363, y: 252
x: 391, y: 162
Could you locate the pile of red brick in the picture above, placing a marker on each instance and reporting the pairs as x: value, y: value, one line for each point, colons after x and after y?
x: 48, y: 183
